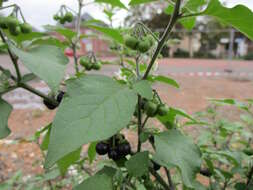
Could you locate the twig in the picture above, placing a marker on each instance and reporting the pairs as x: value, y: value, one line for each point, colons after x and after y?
x: 160, y: 45
x: 14, y: 59
x: 6, y: 7
x: 171, y: 184
x: 159, y: 179
x: 249, y: 178
x: 149, y: 31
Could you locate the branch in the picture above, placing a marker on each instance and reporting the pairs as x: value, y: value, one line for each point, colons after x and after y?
x: 249, y: 178
x: 171, y: 184
x: 159, y: 179
x: 191, y: 15
x: 160, y: 45
x: 14, y: 59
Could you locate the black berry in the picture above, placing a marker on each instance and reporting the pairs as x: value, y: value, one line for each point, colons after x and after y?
x: 102, y: 148
x: 124, y: 149
x: 113, y: 154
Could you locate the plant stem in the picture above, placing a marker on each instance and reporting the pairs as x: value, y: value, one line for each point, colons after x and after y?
x: 78, y: 24
x: 14, y: 59
x: 171, y: 184
x: 249, y: 178
x: 6, y: 7
x: 149, y: 31
x: 159, y: 179
x: 162, y: 41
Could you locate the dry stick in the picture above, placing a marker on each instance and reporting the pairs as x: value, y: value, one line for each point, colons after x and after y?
x: 174, y: 18
x: 74, y: 44
x: 18, y: 79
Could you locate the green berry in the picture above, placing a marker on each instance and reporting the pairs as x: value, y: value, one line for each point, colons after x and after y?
x: 97, y: 66
x: 3, y: 23
x: 143, y: 46
x: 151, y: 40
x: 131, y: 42
x: 62, y: 20
x: 84, y: 61
x: 162, y: 110
x: 15, y: 31
x: 89, y: 66
x: 12, y: 22
x: 68, y: 17
x: 26, y: 28
x: 150, y: 108
x: 56, y: 17
x: 248, y: 151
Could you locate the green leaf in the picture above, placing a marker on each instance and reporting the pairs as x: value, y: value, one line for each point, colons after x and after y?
x: 5, y: 111
x: 28, y: 77
x: 114, y: 3
x: 188, y: 23
x: 239, y: 16
x: 68, y: 160
x: 46, y: 139
x: 95, y: 108
x: 165, y: 80
x: 173, y: 148
x: 92, y: 152
x: 194, y: 5
x: 101, y: 180
x: 144, y: 89
x: 47, y: 62
x: 67, y: 33
x: 138, y: 164
x: 109, y: 32
x: 138, y: 2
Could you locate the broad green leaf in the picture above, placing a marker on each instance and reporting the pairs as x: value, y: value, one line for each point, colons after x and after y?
x: 50, y: 41
x: 165, y: 80
x: 101, y: 180
x: 109, y: 32
x: 68, y: 160
x: 95, y: 108
x: 5, y: 111
x: 138, y: 164
x: 144, y: 89
x: 239, y: 16
x: 92, y: 152
x: 47, y: 62
x: 173, y: 148
x: 114, y: 3
x: 138, y: 2
x: 67, y: 33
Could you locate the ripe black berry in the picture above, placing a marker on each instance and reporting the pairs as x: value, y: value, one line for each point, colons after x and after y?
x: 124, y: 149
x: 49, y: 105
x: 102, y: 148
x: 60, y: 96
x: 113, y: 154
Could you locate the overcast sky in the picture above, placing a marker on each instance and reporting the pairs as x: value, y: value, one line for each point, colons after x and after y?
x: 39, y: 12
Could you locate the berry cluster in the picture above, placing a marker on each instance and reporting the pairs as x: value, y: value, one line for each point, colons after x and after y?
x: 14, y: 26
x: 90, y: 64
x: 153, y: 108
x: 59, y: 98
x: 115, y: 151
x: 142, y: 45
x: 68, y: 17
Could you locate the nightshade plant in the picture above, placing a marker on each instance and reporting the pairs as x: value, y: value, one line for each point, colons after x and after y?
x: 95, y: 108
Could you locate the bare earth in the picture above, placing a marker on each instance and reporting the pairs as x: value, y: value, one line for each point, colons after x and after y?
x: 192, y: 96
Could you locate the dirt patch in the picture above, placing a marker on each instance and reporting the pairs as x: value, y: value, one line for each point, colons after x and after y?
x: 192, y: 96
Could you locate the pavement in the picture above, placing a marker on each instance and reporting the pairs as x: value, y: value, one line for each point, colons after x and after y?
x: 201, y: 68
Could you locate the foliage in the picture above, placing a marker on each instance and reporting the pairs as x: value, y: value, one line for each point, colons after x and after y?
x: 94, y: 109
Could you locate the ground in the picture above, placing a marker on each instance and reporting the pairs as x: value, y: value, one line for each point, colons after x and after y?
x: 198, y: 79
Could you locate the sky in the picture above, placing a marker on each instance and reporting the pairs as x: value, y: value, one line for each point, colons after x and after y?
x: 40, y: 12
